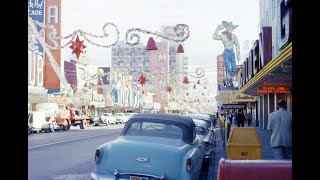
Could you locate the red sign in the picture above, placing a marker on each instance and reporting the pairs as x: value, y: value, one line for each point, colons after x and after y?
x: 272, y: 89
x: 220, y: 71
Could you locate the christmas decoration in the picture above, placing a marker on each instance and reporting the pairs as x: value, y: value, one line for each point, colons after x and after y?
x: 142, y: 80
x: 169, y: 89
x: 181, y: 30
x: 198, y: 82
x: 185, y: 80
x: 77, y: 47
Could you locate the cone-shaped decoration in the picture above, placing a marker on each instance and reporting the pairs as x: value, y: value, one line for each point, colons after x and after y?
x: 185, y: 80
x: 194, y: 86
x: 180, y: 49
x: 151, y: 45
x: 198, y: 82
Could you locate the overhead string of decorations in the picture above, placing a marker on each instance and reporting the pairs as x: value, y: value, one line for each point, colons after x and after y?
x: 109, y: 30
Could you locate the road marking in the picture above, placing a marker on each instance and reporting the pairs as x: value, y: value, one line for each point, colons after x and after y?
x: 70, y: 140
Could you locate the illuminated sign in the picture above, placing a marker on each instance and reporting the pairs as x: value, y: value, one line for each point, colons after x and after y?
x: 272, y: 89
x: 234, y: 106
x: 243, y: 98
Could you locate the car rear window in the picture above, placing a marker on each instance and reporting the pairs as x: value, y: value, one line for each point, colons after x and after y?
x: 155, y: 130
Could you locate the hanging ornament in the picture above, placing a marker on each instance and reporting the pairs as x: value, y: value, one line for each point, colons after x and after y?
x: 185, y: 80
x: 202, y: 93
x: 77, y: 47
x: 142, y: 91
x: 194, y: 86
x: 187, y: 94
x: 169, y: 89
x: 198, y: 82
x: 142, y: 80
x: 205, y: 87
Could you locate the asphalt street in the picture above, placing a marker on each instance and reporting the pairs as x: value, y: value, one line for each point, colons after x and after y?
x: 69, y: 155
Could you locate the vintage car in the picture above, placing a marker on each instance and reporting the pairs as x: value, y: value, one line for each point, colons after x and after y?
x: 204, y: 131
x: 151, y: 146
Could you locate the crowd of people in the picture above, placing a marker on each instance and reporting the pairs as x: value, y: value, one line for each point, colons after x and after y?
x: 279, y: 124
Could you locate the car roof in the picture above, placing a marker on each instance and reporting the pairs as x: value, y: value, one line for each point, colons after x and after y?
x: 199, y: 116
x: 186, y: 123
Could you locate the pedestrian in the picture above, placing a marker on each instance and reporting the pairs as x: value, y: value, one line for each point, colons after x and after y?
x: 280, y: 125
x: 249, y: 117
x: 240, y: 118
x: 229, y: 122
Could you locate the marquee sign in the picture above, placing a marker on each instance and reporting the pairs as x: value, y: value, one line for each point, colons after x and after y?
x: 243, y: 98
x: 271, y: 89
x: 234, y: 106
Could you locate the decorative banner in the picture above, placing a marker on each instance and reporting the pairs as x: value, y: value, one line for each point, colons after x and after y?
x: 234, y: 106
x: 243, y: 98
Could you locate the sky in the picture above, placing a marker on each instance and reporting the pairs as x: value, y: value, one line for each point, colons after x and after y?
x: 202, y: 17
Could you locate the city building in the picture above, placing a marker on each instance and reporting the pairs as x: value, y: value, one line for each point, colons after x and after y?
x: 267, y: 71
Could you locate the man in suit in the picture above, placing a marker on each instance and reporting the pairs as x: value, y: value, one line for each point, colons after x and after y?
x: 280, y: 124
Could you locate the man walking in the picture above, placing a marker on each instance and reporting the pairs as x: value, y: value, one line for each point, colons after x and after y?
x: 240, y: 118
x: 249, y: 118
x: 280, y: 124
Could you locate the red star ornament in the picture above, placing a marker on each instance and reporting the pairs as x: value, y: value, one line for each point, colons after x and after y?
x: 142, y: 80
x: 77, y: 47
x: 169, y: 89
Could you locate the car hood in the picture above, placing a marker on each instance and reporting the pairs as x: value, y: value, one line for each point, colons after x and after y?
x: 146, y: 155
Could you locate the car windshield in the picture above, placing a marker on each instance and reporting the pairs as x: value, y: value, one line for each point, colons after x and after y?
x: 105, y: 114
x: 201, y: 126
x: 155, y: 130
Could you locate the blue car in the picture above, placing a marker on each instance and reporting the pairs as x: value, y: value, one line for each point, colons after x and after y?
x: 204, y: 131
x: 151, y: 146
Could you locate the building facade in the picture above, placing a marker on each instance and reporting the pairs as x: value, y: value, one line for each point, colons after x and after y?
x: 267, y: 72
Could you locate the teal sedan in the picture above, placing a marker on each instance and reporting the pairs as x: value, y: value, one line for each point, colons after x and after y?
x: 151, y: 146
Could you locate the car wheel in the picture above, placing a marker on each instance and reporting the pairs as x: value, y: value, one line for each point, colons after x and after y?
x: 65, y: 126
x: 82, y: 125
x: 29, y: 130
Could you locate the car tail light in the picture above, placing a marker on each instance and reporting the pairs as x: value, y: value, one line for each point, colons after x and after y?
x: 97, y: 156
x: 206, y: 143
x: 189, y: 164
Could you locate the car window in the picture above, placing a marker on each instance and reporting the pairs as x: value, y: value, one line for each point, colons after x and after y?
x: 201, y: 124
x: 155, y: 130
x: 105, y: 114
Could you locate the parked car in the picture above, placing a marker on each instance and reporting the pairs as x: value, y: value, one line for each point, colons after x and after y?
x: 204, y: 130
x: 108, y: 118
x: 151, y: 146
x: 205, y: 133
x: 121, y: 118
x: 205, y: 117
x: 128, y: 116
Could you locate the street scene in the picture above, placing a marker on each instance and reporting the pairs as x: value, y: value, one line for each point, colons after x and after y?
x: 144, y: 90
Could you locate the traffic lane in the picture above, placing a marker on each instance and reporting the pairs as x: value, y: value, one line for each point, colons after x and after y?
x: 65, y: 161
x: 35, y: 140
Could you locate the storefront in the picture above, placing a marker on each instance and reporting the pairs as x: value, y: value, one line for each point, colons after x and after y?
x: 269, y: 84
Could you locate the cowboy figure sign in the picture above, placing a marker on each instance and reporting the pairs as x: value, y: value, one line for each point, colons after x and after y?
x: 229, y: 40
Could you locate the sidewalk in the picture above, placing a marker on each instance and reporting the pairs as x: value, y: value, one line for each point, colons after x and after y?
x: 221, y: 152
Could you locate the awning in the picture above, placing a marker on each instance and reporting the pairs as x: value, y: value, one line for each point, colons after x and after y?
x: 278, y: 72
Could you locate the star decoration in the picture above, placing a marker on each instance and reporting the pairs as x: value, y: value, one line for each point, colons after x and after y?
x: 77, y: 47
x: 142, y: 80
x: 169, y: 89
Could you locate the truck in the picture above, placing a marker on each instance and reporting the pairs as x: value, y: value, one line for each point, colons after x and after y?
x: 37, y: 122
x: 62, y: 118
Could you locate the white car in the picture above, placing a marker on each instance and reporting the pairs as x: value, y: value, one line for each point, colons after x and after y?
x: 121, y: 118
x: 108, y: 118
x: 129, y: 115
